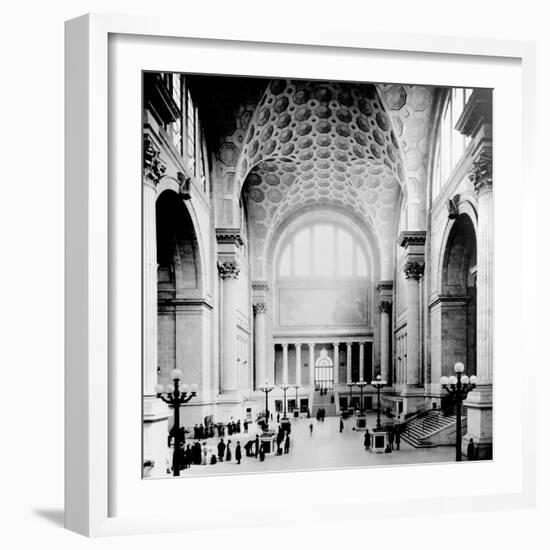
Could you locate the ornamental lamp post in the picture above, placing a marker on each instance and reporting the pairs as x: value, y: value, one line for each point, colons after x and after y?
x: 266, y: 388
x: 350, y: 385
x: 296, y: 407
x: 361, y: 384
x: 284, y: 387
x: 378, y: 383
x: 458, y: 388
x: 172, y: 395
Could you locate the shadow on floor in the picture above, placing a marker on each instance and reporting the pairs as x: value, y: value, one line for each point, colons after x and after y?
x: 56, y: 517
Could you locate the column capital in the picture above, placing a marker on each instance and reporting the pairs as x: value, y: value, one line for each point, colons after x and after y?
x: 481, y: 174
x: 335, y: 344
x: 349, y: 344
x: 311, y: 344
x: 362, y: 344
x: 260, y: 308
x: 229, y: 270
x: 153, y: 167
x: 285, y: 345
x: 414, y: 270
x: 385, y: 306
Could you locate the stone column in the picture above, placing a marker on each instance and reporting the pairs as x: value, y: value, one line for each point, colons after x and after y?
x: 361, y: 361
x: 311, y: 364
x: 413, y: 274
x: 260, y: 309
x: 336, y: 363
x: 298, y: 378
x: 155, y: 412
x: 348, y: 362
x: 285, y: 363
x: 479, y: 403
x: 385, y: 316
x: 229, y: 272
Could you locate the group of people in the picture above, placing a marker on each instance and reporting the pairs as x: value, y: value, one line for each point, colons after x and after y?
x: 201, y: 431
x: 394, y: 440
x: 186, y: 455
x: 321, y: 413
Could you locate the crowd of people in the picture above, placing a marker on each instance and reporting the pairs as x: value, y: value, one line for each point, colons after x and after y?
x: 188, y: 454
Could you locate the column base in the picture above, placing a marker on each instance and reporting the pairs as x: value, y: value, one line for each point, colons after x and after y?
x: 479, y: 408
x: 413, y: 399
x: 156, y: 454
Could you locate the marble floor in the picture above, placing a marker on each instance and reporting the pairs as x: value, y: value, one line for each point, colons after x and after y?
x: 324, y: 448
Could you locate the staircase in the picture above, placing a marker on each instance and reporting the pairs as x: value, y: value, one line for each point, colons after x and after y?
x: 323, y: 402
x: 420, y: 429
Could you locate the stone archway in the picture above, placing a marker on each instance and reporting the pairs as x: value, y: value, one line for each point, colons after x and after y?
x: 183, y: 312
x: 453, y: 312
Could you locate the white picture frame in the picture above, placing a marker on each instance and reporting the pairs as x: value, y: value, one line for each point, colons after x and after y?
x: 98, y: 497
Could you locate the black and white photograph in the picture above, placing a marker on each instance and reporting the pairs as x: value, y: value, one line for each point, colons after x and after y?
x: 317, y: 274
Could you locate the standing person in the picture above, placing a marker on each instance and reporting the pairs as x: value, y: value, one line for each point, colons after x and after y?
x: 228, y: 451
x: 238, y: 452
x: 245, y: 426
x: 366, y: 440
x: 187, y: 457
x: 239, y: 426
x: 204, y: 453
x: 287, y: 444
x: 310, y: 428
x: 278, y: 418
x: 397, y: 438
x: 341, y: 425
x: 391, y: 437
x: 256, y: 446
x: 221, y: 450
x: 471, y: 450
x: 262, y: 453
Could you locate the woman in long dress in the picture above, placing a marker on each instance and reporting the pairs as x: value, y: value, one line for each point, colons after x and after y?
x: 228, y: 451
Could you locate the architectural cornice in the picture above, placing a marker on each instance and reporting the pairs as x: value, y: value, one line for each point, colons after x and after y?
x: 260, y: 285
x: 412, y: 238
x: 478, y: 111
x: 384, y: 285
x: 230, y: 235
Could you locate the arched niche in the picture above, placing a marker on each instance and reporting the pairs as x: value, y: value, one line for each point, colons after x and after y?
x: 453, y: 313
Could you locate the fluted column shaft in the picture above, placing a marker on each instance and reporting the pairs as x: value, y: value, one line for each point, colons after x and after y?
x: 285, y: 363
x: 348, y: 362
x: 298, y: 379
x: 485, y: 284
x: 413, y: 273
x: 336, y: 363
x: 385, y: 315
x: 150, y: 340
x: 259, y: 341
x: 311, y: 364
x: 229, y: 272
x: 361, y: 361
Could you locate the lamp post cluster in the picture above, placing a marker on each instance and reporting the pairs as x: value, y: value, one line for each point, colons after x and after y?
x: 378, y: 383
x: 458, y: 388
x: 174, y: 396
x: 266, y: 388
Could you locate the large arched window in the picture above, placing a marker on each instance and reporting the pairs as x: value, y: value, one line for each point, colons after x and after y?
x: 451, y: 144
x: 322, y: 250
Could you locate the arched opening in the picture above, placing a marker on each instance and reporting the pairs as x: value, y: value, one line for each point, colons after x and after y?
x: 458, y: 297
x: 178, y: 287
x: 324, y: 371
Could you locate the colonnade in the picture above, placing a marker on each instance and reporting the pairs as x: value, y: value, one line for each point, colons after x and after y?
x: 295, y: 370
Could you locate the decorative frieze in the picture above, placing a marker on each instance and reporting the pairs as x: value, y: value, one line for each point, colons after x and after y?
x: 260, y: 308
x: 229, y: 236
x: 229, y: 270
x: 414, y: 270
x: 153, y: 167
